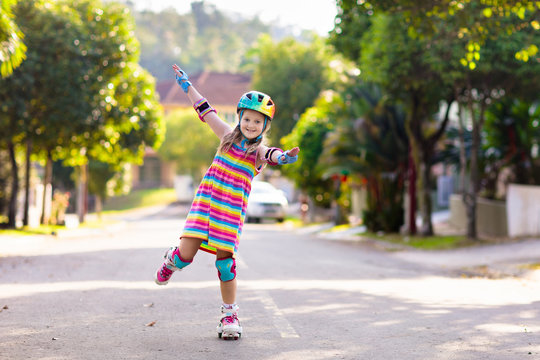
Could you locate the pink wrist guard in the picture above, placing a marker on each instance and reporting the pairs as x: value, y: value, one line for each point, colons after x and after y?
x: 202, y: 107
x: 268, y: 155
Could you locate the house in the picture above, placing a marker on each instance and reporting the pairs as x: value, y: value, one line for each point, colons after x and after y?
x: 223, y: 90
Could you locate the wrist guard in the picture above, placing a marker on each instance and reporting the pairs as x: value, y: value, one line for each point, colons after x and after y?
x: 202, y: 107
x: 268, y: 155
x: 286, y: 159
x: 183, y: 81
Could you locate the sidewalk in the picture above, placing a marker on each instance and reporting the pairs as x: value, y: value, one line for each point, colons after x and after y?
x: 517, y: 259
x: 520, y: 258
x: 12, y: 245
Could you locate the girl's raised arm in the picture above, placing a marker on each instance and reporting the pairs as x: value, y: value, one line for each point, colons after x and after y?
x: 206, y: 112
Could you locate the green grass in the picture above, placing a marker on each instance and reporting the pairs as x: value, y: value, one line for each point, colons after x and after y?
x: 338, y: 228
x: 436, y: 242
x: 140, y: 198
x: 25, y: 230
x: 135, y: 199
x: 294, y: 221
x: 533, y: 266
x: 54, y: 229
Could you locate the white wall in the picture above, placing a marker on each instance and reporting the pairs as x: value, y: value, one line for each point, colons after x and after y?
x: 523, y: 210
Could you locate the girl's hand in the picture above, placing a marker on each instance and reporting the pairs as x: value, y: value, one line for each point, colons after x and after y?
x: 294, y: 151
x: 289, y: 156
x: 181, y: 78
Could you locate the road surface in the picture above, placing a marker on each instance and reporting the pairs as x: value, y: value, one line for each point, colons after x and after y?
x: 90, y: 295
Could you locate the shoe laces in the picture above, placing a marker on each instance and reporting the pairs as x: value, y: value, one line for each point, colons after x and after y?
x: 165, y: 271
x: 230, y: 319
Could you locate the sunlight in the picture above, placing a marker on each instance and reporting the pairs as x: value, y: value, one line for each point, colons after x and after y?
x: 507, y: 328
x: 16, y: 290
x: 429, y: 291
x: 336, y: 308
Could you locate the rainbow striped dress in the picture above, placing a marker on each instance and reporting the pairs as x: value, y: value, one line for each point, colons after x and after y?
x: 219, y: 207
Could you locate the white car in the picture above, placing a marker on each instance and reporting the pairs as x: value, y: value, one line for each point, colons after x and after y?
x: 265, y: 201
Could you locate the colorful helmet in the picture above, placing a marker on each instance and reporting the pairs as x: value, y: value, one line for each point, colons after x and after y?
x: 257, y: 101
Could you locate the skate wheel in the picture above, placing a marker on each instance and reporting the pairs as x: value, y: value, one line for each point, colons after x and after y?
x: 230, y: 337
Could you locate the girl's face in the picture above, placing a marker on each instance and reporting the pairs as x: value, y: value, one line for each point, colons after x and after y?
x: 252, y: 123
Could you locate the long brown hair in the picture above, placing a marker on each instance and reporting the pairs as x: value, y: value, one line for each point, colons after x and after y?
x: 236, y: 136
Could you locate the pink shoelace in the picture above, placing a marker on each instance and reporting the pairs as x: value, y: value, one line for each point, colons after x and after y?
x: 230, y: 319
x: 165, y: 272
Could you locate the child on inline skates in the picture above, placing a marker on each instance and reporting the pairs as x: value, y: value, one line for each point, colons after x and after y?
x: 216, y: 217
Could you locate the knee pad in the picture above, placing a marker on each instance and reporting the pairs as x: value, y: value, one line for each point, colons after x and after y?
x: 178, y: 261
x: 226, y: 269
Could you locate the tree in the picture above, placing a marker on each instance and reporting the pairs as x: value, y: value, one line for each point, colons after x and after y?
x: 106, y: 109
x: 188, y: 143
x: 497, y: 73
x: 476, y: 26
x: 475, y: 21
x: 4, y: 183
x: 106, y: 180
x: 369, y: 141
x: 511, y: 139
x: 309, y: 134
x: 52, y: 53
x: 293, y: 74
x: 12, y: 48
x: 135, y: 123
x: 126, y: 115
x: 406, y: 69
x: 204, y: 39
x: 13, y: 100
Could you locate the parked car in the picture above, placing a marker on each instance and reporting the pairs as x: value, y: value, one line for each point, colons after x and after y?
x: 266, y: 202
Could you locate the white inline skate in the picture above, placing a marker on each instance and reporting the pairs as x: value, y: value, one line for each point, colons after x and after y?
x: 229, y: 327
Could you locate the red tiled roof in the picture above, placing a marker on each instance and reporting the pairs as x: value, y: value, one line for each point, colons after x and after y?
x: 218, y: 88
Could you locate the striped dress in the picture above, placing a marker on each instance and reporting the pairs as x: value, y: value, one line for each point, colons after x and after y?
x: 219, y: 208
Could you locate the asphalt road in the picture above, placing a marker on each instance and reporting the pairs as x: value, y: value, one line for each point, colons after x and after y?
x: 90, y: 295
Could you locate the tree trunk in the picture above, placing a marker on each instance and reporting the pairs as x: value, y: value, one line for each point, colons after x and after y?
x: 409, y: 227
x: 339, y: 217
x: 470, y: 208
x: 46, y: 206
x: 470, y: 197
x: 413, y: 132
x: 419, y: 146
x: 462, y: 152
x: 3, y: 183
x: 81, y: 192
x: 99, y: 206
x: 425, y: 195
x: 27, y: 182
x: 12, y: 210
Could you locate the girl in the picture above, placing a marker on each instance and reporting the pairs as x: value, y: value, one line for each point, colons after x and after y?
x: 216, y: 217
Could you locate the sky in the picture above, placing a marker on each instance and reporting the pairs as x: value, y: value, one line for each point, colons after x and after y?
x: 317, y: 15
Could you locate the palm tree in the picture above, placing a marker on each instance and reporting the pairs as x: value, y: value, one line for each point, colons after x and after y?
x: 370, y: 142
x: 512, y: 136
